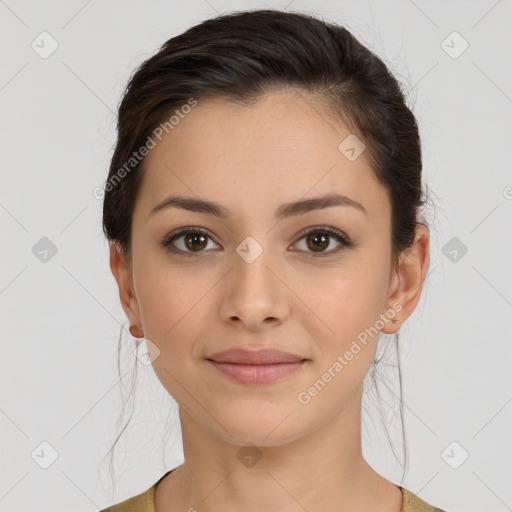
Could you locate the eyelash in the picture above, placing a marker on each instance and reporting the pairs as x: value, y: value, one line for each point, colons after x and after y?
x: 324, y: 230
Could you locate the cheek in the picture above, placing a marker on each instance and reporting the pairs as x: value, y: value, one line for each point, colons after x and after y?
x: 347, y: 301
x: 171, y: 306
x: 178, y: 306
x: 174, y: 315
x: 157, y: 296
x: 347, y: 305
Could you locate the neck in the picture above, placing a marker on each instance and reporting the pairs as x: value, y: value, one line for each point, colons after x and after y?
x: 323, y: 470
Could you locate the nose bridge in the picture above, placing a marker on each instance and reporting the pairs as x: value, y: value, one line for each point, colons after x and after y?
x: 251, y: 266
x: 255, y: 292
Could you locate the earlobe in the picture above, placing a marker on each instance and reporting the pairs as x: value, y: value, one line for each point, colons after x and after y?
x: 409, y: 278
x: 127, y: 297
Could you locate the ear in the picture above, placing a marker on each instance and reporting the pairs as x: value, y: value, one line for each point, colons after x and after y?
x: 407, y: 280
x: 128, y: 299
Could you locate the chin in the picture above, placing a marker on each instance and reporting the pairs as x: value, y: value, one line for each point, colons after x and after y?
x: 272, y: 431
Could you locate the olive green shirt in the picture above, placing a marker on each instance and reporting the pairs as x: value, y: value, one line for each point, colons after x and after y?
x: 144, y: 502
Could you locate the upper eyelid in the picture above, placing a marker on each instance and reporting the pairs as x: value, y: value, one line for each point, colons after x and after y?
x: 181, y: 231
x: 169, y: 239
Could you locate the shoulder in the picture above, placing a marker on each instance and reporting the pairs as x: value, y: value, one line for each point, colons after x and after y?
x: 411, y: 503
x: 143, y: 502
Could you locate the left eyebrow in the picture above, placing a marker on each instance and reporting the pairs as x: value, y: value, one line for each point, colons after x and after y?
x: 286, y: 210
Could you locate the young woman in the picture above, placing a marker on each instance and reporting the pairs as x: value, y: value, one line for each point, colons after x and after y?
x: 263, y: 211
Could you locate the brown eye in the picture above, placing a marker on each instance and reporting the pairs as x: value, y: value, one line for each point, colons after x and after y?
x: 192, y: 241
x: 187, y: 241
x: 195, y: 242
x: 319, y: 239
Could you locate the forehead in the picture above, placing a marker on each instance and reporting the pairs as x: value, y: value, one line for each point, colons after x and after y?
x: 282, y: 148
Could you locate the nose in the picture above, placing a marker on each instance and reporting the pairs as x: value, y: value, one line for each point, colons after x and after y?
x: 254, y: 294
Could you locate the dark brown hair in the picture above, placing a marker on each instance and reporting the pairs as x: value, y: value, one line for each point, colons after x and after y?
x: 243, y: 55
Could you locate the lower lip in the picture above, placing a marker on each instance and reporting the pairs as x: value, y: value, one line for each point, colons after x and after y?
x: 257, y: 373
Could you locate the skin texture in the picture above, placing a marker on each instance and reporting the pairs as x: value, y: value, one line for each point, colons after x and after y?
x: 252, y: 160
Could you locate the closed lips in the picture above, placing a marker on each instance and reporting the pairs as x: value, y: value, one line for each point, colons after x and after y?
x: 260, y: 357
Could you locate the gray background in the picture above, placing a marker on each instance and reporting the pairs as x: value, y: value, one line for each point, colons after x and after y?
x: 61, y: 316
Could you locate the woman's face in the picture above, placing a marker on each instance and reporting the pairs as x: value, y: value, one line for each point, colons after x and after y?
x: 257, y: 279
